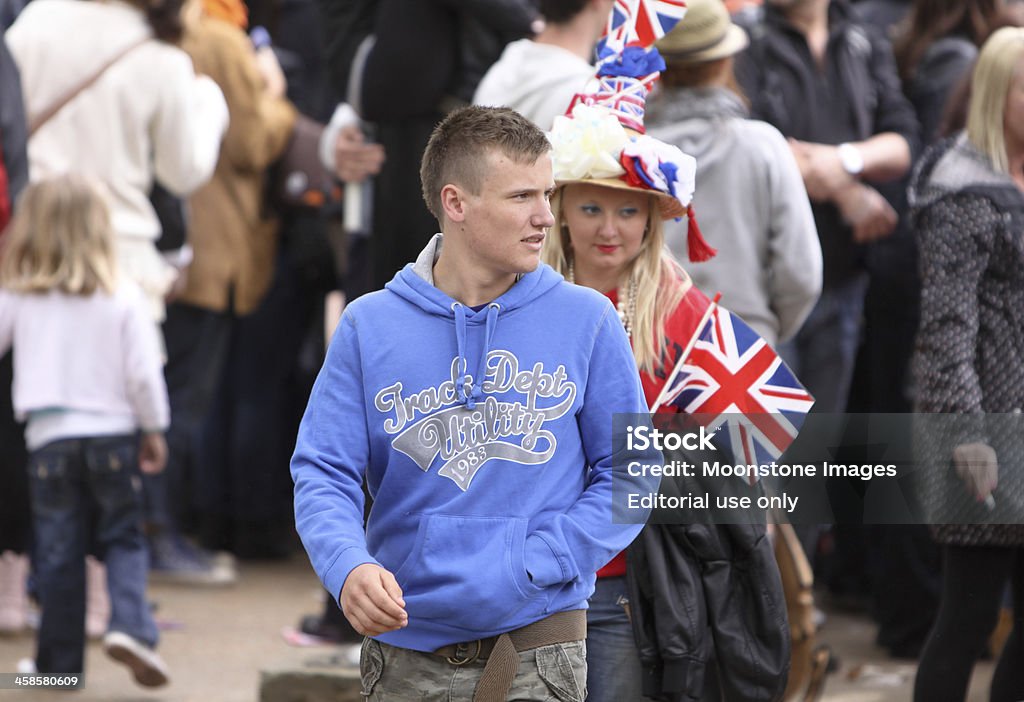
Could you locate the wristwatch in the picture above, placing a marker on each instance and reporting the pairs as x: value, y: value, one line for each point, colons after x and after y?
x: 851, y: 159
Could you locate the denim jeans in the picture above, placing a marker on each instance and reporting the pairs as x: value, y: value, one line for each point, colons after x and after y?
x: 613, y: 662
x: 822, y: 354
x: 87, y: 492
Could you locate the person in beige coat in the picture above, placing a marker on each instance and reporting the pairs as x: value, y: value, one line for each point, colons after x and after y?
x: 234, y: 242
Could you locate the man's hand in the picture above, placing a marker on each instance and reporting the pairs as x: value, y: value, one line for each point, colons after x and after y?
x: 354, y: 159
x: 977, y: 466
x: 372, y: 601
x: 864, y: 209
x: 822, y: 171
x: 152, y: 453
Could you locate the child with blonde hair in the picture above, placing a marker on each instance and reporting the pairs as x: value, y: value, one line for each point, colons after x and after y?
x: 88, y: 382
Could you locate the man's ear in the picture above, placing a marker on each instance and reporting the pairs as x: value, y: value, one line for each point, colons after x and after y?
x: 453, y: 202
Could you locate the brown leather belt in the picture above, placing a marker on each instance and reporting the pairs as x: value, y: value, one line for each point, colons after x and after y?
x: 502, y: 652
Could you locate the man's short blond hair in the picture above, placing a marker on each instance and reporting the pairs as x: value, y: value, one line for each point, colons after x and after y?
x: 457, y: 151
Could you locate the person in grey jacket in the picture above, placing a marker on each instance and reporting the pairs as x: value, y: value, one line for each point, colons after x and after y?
x: 753, y: 204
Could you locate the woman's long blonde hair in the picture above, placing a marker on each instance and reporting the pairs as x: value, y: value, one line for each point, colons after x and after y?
x: 60, y: 238
x: 660, y: 281
x: 992, y: 80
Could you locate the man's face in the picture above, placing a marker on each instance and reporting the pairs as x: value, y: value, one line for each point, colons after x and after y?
x: 506, y: 222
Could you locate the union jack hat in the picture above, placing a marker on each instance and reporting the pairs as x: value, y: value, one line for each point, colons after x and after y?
x: 601, y: 138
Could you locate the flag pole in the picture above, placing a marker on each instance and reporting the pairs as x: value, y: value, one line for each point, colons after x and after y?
x: 686, y: 352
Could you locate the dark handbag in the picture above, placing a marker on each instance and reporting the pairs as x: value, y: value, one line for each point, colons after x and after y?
x: 170, y: 210
x: 299, y: 179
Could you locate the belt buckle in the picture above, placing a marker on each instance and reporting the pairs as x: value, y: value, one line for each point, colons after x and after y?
x: 469, y: 659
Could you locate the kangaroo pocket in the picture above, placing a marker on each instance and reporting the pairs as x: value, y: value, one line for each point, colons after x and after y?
x: 468, y: 571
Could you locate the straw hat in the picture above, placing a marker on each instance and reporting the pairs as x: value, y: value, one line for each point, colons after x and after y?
x: 591, y: 146
x: 706, y: 34
x: 670, y: 207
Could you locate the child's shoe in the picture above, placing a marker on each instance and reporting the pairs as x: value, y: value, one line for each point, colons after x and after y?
x: 146, y: 665
x: 97, y: 599
x: 13, y: 593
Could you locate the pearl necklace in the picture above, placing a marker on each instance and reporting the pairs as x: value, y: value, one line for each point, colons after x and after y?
x: 626, y: 306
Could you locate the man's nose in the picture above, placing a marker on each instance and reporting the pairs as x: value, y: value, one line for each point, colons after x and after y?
x: 544, y: 216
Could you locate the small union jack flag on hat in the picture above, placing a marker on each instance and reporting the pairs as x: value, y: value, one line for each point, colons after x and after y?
x: 641, y: 22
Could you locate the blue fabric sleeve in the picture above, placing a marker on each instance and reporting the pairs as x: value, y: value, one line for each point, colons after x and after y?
x: 331, y: 455
x: 584, y: 538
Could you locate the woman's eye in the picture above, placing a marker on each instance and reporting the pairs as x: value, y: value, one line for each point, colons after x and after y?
x: 628, y: 211
x: 590, y: 209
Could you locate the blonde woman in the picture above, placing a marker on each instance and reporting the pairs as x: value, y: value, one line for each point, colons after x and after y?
x: 91, y: 428
x: 615, y: 189
x: 609, y: 235
x: 968, y: 203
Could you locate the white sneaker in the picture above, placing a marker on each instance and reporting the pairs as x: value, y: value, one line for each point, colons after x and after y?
x: 27, y: 666
x: 146, y: 665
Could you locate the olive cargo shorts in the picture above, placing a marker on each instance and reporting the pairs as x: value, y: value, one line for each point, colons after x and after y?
x: 391, y: 674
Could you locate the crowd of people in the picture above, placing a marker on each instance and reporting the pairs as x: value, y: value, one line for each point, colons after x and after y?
x: 199, y: 367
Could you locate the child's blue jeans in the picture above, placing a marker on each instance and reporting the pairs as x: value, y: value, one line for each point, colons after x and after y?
x: 86, y: 495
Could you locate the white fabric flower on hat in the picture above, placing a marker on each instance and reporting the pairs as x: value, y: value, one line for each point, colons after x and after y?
x: 587, y: 145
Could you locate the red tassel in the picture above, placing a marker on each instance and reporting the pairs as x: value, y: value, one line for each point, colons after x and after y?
x: 696, y: 246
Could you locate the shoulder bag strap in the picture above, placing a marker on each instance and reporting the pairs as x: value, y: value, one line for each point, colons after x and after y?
x: 48, y: 114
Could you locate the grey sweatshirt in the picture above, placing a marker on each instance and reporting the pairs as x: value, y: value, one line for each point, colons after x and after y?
x: 751, y: 205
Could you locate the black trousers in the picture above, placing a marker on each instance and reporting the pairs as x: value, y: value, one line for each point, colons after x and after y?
x: 974, y: 578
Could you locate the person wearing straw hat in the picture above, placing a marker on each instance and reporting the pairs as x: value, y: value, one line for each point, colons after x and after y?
x: 616, y: 187
x: 753, y: 202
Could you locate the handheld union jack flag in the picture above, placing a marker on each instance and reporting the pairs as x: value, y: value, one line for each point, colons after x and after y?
x: 641, y: 21
x: 736, y: 384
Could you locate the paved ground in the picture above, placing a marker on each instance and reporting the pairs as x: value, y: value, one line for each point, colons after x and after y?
x: 225, y: 637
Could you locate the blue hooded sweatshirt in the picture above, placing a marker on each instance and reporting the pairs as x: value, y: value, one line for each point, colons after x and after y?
x: 486, y: 442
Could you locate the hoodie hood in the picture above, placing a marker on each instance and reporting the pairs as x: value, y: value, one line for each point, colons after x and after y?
x: 415, y: 284
x: 693, y: 119
x: 952, y: 166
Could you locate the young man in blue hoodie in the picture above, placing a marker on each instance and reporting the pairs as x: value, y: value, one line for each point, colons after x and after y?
x: 475, y: 394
